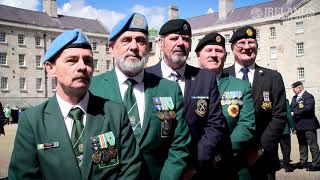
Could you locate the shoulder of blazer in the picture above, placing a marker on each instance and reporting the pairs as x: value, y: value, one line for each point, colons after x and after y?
x: 203, y: 74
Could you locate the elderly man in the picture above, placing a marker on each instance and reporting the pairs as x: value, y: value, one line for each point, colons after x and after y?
x: 302, y: 110
x: 236, y: 100
x: 74, y: 134
x: 269, y: 101
x: 154, y: 105
x: 202, y: 110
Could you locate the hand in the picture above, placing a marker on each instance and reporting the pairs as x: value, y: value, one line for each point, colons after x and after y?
x: 294, y: 131
x: 253, y: 155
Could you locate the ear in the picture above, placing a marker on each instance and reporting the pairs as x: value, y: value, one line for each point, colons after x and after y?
x: 50, y: 69
x: 160, y: 42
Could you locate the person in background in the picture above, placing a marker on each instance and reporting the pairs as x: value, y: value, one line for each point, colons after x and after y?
x: 2, y: 120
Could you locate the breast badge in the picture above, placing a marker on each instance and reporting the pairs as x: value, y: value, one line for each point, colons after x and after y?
x: 202, y: 105
x: 266, y: 104
x: 165, y: 113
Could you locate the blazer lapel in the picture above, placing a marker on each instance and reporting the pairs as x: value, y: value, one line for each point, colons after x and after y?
x: 257, y: 83
x: 94, y: 125
x: 191, y: 81
x: 223, y: 83
x: 112, y: 83
x: 57, y: 132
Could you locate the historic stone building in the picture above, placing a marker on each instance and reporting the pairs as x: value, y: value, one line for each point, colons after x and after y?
x: 288, y: 34
x: 25, y: 36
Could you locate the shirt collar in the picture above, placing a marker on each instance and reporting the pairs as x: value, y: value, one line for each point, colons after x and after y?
x: 65, y: 106
x: 300, y: 94
x: 167, y: 70
x: 122, y: 77
x: 238, y: 67
x: 218, y: 76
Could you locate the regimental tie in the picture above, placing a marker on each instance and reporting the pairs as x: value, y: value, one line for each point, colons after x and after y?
x: 132, y: 107
x: 77, y: 133
x: 175, y: 76
x: 245, y: 71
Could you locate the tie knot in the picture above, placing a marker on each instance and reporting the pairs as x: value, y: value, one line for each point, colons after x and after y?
x: 244, y: 70
x: 76, y: 114
x: 131, y: 82
x: 176, y: 75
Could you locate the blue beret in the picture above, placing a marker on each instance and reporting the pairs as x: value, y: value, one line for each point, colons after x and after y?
x: 211, y: 39
x: 243, y: 32
x: 69, y: 39
x: 176, y: 26
x: 132, y: 22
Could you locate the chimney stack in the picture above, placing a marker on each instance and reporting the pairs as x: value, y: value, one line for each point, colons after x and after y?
x: 50, y: 7
x: 173, y: 12
x: 225, y: 7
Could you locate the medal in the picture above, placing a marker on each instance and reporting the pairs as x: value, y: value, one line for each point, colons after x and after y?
x: 105, y: 157
x: 160, y: 115
x: 166, y: 115
x: 233, y: 110
x: 172, y: 114
x: 113, y: 152
x: 301, y: 105
x: 80, y: 148
x: 96, y: 157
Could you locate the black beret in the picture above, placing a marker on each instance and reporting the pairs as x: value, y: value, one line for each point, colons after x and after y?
x: 211, y: 39
x: 243, y: 32
x: 296, y: 84
x: 177, y: 26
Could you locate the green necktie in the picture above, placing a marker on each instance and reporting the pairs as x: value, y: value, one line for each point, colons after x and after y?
x: 77, y: 133
x: 132, y: 107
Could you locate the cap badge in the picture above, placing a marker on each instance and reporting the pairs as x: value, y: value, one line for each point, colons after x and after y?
x: 218, y: 39
x: 138, y: 21
x: 249, y: 32
x: 185, y: 27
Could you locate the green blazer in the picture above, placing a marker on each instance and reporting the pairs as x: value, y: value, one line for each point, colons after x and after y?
x: 242, y: 125
x: 45, y: 124
x: 290, y: 123
x: 162, y: 159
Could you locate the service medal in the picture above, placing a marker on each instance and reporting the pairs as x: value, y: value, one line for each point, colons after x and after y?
x: 167, y: 115
x: 80, y: 148
x: 266, y: 105
x: 301, y: 105
x: 160, y: 115
x: 96, y: 157
x: 113, y: 152
x: 233, y: 110
x: 105, y: 157
x: 172, y: 114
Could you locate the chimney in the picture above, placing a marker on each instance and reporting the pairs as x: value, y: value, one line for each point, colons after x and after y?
x: 225, y: 7
x: 50, y: 7
x: 173, y: 12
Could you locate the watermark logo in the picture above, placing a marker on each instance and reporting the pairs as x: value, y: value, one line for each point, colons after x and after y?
x: 272, y: 12
x: 256, y: 13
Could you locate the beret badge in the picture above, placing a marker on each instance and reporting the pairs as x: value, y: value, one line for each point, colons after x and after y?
x: 249, y: 32
x: 218, y: 39
x: 138, y: 21
x: 185, y: 28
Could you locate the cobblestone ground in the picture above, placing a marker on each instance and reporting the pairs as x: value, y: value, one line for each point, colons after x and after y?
x: 6, y: 146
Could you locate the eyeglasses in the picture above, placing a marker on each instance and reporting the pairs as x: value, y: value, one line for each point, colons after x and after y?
x: 242, y: 44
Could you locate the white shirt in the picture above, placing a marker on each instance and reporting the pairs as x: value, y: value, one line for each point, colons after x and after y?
x: 65, y: 108
x: 138, y: 90
x: 167, y: 74
x: 299, y: 95
x: 239, y: 74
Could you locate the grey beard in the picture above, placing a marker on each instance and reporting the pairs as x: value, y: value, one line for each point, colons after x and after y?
x: 179, y: 60
x: 131, y: 68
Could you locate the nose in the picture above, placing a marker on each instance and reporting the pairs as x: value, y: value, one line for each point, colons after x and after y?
x: 133, y: 44
x: 180, y: 41
x: 213, y: 53
x: 246, y: 45
x: 81, y: 65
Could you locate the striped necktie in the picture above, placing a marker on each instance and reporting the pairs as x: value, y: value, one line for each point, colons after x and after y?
x: 245, y: 71
x: 77, y: 133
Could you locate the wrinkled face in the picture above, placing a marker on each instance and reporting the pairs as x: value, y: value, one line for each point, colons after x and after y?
x: 297, y: 90
x: 73, y: 70
x: 212, y: 57
x: 245, y: 51
x: 130, y: 51
x: 175, y: 48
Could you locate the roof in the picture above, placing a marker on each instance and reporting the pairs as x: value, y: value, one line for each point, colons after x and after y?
x: 244, y: 13
x: 24, y: 16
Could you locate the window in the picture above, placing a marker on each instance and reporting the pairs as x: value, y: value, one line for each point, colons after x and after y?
x: 107, y: 47
x: 37, y: 40
x: 3, y: 58
x: 299, y: 27
x: 273, y: 32
x: 273, y: 52
x: 20, y: 39
x: 22, y: 61
x: 258, y: 55
x: 22, y: 83
x: 227, y: 36
x: 300, y: 49
x: 95, y: 64
x: 258, y: 35
x: 4, y: 83
x: 38, y: 61
x: 39, y: 84
x: 2, y: 37
x: 300, y: 73
x: 54, y: 84
x: 108, y: 62
x: 94, y: 46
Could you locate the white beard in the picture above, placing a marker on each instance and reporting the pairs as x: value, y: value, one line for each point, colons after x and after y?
x: 131, y: 68
x: 178, y: 59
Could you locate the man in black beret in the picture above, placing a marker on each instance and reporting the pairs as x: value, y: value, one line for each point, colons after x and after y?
x: 202, y: 109
x: 302, y: 110
x: 270, y: 101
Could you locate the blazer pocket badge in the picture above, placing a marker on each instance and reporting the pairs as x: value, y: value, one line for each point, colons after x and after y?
x: 202, y: 105
x: 266, y: 104
x: 165, y: 113
x: 46, y: 146
x: 105, y: 150
x: 300, y: 105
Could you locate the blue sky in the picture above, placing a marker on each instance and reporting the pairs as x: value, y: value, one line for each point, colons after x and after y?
x: 110, y: 12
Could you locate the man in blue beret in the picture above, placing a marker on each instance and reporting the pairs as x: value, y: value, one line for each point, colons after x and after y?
x: 74, y: 134
x: 269, y: 98
x: 211, y: 146
x: 303, y: 113
x: 154, y: 105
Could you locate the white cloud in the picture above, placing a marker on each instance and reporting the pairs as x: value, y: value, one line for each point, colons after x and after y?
x: 210, y: 10
x: 155, y: 15
x: 25, y: 4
